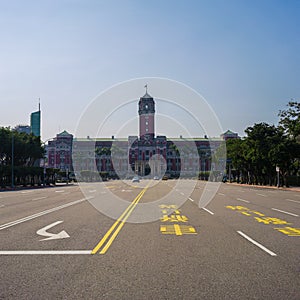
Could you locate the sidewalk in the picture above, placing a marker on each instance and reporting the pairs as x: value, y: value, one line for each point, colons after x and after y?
x: 291, y: 188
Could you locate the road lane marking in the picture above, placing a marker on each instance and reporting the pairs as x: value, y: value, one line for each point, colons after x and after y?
x: 191, y: 199
x: 256, y: 243
x: 262, y: 195
x: 1, y: 205
x: 27, y: 192
x: 239, y: 199
x: 45, y: 252
x: 39, y: 198
x: 285, y: 212
x: 207, y: 210
x: 112, y: 232
x: 292, y: 200
x: 59, y: 191
x: 221, y: 194
x: 52, y: 236
x: 182, y: 193
x: 42, y: 213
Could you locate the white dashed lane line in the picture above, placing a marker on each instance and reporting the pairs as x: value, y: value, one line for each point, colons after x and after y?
x: 207, y: 210
x: 256, y: 243
x: 243, y: 200
x: 291, y: 200
x: 285, y: 212
x: 221, y: 194
x: 39, y: 198
x: 262, y: 195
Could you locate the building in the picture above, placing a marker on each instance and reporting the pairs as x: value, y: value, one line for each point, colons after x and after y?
x: 146, y: 155
x: 59, y: 152
x: 35, y: 122
x: 23, y: 128
x: 229, y: 135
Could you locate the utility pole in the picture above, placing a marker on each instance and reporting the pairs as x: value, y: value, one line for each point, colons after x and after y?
x: 12, y: 159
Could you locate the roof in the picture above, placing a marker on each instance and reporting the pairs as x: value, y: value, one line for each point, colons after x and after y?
x: 147, y: 96
x: 64, y: 133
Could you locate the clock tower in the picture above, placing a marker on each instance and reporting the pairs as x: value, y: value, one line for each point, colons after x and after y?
x: 146, y: 116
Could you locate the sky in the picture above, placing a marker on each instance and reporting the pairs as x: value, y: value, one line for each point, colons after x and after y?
x: 242, y: 56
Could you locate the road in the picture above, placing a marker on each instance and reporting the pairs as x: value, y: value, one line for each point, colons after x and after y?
x: 56, y: 245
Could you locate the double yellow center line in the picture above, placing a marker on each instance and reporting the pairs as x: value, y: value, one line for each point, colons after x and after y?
x: 112, y: 233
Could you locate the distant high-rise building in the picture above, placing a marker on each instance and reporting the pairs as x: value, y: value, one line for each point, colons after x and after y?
x: 23, y: 128
x: 35, y: 122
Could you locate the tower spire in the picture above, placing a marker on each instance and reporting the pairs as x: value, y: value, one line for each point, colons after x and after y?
x: 39, y: 104
x: 146, y: 87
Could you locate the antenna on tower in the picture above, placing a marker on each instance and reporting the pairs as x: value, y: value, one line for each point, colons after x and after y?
x: 39, y: 104
x: 146, y: 87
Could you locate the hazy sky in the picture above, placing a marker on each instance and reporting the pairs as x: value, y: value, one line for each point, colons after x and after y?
x: 243, y: 57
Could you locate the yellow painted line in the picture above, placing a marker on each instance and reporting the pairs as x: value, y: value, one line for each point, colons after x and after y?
x: 177, y: 229
x: 121, y: 220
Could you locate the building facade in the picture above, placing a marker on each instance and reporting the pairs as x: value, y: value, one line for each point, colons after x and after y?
x: 145, y: 155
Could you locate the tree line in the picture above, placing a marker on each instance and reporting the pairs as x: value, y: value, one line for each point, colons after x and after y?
x: 266, y: 149
x: 20, y: 155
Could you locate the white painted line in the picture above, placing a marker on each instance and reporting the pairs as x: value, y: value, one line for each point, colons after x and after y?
x: 221, y: 194
x: 285, y: 212
x: 66, y: 193
x: 46, y: 252
x: 191, y: 199
x: 292, y: 200
x: 10, y: 224
x: 26, y: 192
x: 92, y: 191
x: 210, y: 212
x: 59, y: 191
x: 239, y: 199
x: 39, y: 198
x: 256, y: 243
x: 1, y: 205
x: 261, y: 195
x: 182, y: 193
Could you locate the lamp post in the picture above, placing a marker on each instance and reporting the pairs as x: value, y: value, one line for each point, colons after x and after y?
x: 12, y: 159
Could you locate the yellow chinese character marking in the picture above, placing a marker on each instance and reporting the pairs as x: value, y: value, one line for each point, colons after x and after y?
x: 174, y: 218
x: 237, y: 207
x: 268, y: 220
x: 258, y: 213
x: 168, y: 206
x: 177, y: 229
x: 290, y: 231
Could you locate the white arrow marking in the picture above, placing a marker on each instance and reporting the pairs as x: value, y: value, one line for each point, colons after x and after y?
x: 52, y: 236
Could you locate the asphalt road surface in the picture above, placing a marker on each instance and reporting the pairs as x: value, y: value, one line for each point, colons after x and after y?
x: 71, y: 243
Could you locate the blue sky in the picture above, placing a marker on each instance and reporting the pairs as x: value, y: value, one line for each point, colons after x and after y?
x: 241, y: 56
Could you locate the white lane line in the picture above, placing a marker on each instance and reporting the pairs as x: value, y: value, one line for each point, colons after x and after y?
x: 45, y: 252
x: 262, y: 195
x: 66, y: 193
x: 39, y: 198
x: 285, y: 212
x: 292, y: 200
x: 42, y: 213
x: 256, y: 243
x: 191, y: 199
x: 182, y: 193
x: 239, y: 199
x: 221, y: 194
x: 59, y: 191
x: 207, y: 210
x: 92, y: 191
x: 1, y: 205
x: 26, y: 192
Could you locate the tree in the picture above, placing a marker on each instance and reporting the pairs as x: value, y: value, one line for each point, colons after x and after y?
x: 290, y: 120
